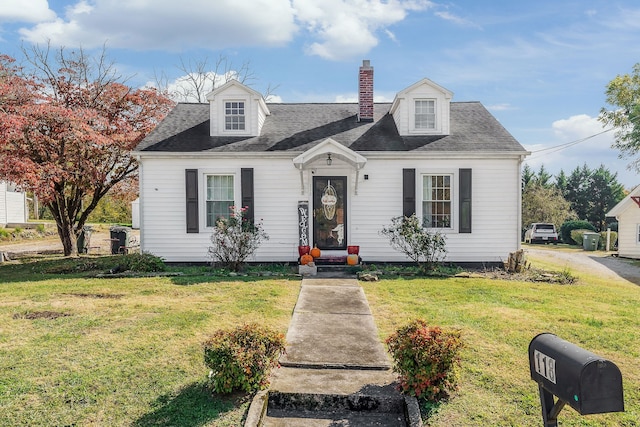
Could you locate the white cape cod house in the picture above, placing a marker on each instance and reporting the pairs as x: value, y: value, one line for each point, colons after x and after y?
x: 331, y: 174
x: 627, y: 213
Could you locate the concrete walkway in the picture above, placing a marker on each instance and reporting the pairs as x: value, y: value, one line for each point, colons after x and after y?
x: 336, y: 371
x: 332, y: 327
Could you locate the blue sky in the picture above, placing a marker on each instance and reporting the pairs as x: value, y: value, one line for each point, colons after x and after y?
x: 540, y: 67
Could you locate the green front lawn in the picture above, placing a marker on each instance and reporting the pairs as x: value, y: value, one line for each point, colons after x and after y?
x: 123, y: 351
x: 103, y: 352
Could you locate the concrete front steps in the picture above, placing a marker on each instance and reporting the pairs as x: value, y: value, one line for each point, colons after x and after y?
x: 333, y: 397
x: 335, y: 371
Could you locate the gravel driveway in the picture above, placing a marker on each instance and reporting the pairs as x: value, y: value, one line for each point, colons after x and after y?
x: 599, y: 263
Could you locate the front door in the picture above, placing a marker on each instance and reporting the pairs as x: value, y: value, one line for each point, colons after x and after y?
x: 330, y: 212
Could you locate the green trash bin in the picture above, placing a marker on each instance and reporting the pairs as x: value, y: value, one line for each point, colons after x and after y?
x: 119, y: 239
x: 590, y: 241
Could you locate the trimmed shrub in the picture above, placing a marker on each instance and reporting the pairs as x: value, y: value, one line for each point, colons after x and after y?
x: 578, y: 235
x: 242, y: 358
x: 426, y: 359
x: 567, y: 227
x: 144, y: 263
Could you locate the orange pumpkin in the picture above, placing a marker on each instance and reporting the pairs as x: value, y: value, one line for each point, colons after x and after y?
x: 315, y: 252
x: 306, y: 259
x: 352, y: 259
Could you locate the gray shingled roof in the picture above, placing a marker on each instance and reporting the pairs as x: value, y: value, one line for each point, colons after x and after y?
x: 298, y: 127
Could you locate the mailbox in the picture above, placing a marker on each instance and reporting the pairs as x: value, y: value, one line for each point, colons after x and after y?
x: 585, y: 381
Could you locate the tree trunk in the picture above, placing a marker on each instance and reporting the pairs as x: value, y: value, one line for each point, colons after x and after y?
x: 69, y: 240
x: 66, y: 230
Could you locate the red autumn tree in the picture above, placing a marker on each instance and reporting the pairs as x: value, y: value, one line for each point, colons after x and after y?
x: 66, y: 131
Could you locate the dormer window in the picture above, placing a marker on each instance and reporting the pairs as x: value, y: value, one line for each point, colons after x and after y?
x: 234, y: 118
x: 236, y: 110
x: 425, y: 114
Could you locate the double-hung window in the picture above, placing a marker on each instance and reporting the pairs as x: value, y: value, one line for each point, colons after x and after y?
x: 436, y: 201
x: 425, y: 114
x: 234, y: 117
x: 220, y: 198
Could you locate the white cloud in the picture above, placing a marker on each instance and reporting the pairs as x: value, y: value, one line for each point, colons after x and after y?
x: 182, y: 88
x: 578, y: 127
x: 169, y: 25
x: 25, y: 11
x: 346, y: 29
x: 447, y: 16
x: 338, y: 29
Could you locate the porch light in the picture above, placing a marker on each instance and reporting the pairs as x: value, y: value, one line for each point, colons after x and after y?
x: 329, y: 161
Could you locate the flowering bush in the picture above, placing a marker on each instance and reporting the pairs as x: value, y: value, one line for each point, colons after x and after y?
x: 426, y: 358
x: 235, y: 239
x: 242, y: 358
x: 424, y: 247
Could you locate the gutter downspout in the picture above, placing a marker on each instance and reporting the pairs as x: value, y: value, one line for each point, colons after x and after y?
x: 519, y: 223
x: 140, y: 205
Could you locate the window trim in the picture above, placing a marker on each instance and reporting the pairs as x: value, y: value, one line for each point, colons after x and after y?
x: 429, y: 103
x: 245, y: 116
x: 453, y: 200
x: 437, y: 126
x: 203, y: 192
x: 637, y: 235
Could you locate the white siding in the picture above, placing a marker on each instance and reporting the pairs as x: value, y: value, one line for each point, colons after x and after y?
x: 12, y: 206
x: 628, y: 222
x: 495, y: 196
x: 495, y: 188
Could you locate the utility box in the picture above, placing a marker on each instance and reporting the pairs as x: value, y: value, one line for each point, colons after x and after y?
x: 585, y: 381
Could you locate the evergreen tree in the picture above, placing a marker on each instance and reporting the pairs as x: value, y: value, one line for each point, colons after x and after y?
x: 561, y: 182
x: 528, y: 176
x: 544, y: 178
x: 605, y: 192
x: 578, y: 191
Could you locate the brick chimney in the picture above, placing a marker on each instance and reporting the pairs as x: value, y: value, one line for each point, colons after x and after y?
x: 365, y: 92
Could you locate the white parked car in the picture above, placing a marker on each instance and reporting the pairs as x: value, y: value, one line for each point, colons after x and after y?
x: 541, y: 232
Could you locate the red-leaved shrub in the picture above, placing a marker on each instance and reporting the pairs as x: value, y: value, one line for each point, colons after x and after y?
x: 426, y: 359
x: 242, y: 358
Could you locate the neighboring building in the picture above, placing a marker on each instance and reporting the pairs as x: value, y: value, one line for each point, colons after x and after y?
x: 332, y: 174
x: 627, y: 212
x: 13, y: 205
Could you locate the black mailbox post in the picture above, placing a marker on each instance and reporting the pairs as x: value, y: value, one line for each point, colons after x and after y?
x: 583, y: 380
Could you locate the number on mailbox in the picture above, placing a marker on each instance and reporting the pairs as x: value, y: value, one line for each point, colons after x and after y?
x: 545, y: 366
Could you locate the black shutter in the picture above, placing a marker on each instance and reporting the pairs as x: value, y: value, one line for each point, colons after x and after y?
x: 465, y: 201
x: 246, y: 184
x: 408, y: 192
x: 191, y: 179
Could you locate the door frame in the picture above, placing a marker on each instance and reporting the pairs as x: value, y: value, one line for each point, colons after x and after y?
x: 315, y: 197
